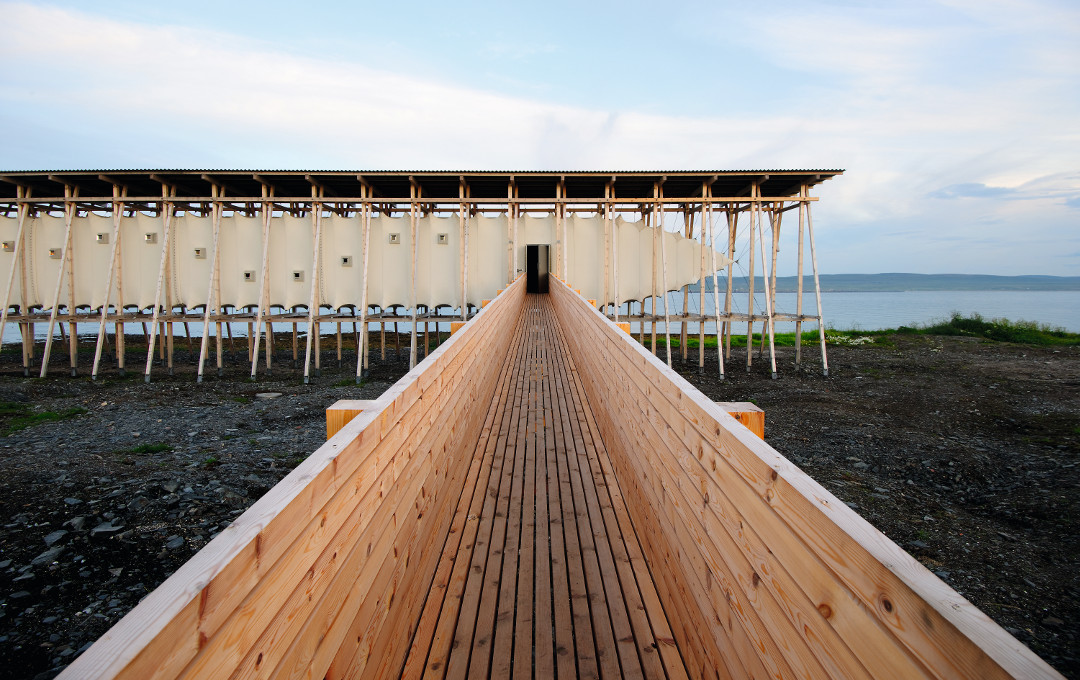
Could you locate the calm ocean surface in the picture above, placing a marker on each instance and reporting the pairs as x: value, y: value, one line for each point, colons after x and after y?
x: 866, y: 311
x: 869, y: 311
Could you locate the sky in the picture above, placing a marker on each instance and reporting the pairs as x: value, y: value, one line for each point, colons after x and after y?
x: 957, y: 122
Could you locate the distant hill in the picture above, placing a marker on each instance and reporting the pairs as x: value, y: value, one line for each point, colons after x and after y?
x: 904, y: 282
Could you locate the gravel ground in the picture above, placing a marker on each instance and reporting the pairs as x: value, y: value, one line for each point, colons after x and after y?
x: 963, y: 452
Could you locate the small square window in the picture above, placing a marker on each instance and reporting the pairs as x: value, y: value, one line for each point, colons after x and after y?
x: 444, y: 239
x: 102, y: 238
x: 200, y: 253
x: 395, y: 238
x: 56, y: 253
x: 150, y: 238
x: 9, y: 246
x: 346, y: 260
x: 249, y: 276
x: 298, y: 276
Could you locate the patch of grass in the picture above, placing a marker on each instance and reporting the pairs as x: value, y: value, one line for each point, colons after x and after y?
x: 211, y: 462
x: 242, y: 399
x: 999, y: 330
x: 17, y: 416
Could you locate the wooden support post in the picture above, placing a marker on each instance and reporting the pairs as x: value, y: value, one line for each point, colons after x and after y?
x: 663, y: 261
x: 463, y: 249
x: 414, y: 192
x: 295, y: 343
x: 514, y: 211
x: 73, y: 329
x: 701, y: 292
x: 688, y: 225
x: 615, y: 249
x: 166, y: 215
x: 118, y: 325
x: 817, y: 291
x: 313, y: 300
x: 608, y: 230
x: 769, y: 319
x: 23, y: 211
x: 775, y: 213
x: 565, y: 230
x: 732, y: 215
x: 799, y: 278
x: 342, y: 411
x: 216, y: 210
x: 750, y: 309
x: 707, y: 219
x: 69, y: 214
x: 747, y: 413
x: 187, y: 329
x: 118, y: 212
x: 339, y: 342
x: 262, y: 315
x: 362, y: 342
x: 655, y: 233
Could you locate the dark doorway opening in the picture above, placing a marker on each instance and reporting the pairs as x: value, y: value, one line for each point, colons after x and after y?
x: 536, y: 268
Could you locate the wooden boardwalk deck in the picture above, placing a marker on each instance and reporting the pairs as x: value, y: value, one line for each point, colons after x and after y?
x: 541, y: 574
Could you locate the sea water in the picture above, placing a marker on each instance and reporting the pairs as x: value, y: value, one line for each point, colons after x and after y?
x: 848, y: 310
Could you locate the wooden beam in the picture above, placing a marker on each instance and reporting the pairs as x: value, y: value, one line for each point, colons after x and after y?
x: 210, y: 293
x: 118, y: 213
x: 167, y: 217
x: 69, y: 215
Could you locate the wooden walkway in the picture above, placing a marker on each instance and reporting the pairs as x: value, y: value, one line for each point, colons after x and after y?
x: 541, y: 574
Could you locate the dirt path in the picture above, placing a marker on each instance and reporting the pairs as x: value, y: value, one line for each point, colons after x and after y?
x: 963, y: 452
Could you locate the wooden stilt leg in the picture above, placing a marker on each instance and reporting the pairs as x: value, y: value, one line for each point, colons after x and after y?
x: 73, y: 345
x: 750, y: 306
x: 817, y: 291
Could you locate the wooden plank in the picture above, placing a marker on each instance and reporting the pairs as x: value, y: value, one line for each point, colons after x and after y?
x: 747, y: 413
x: 342, y: 411
x: 160, y: 635
x: 431, y: 643
x: 817, y: 521
x: 615, y: 643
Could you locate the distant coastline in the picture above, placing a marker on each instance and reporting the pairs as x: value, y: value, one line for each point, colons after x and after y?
x: 896, y: 282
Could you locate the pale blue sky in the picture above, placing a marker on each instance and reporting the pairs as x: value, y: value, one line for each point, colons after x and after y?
x: 958, y: 122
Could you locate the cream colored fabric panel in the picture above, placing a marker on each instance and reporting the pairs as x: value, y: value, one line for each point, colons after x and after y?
x: 342, y: 260
x: 390, y: 262
x: 291, y: 253
x: 46, y: 233
x: 585, y: 255
x: 645, y: 261
x: 193, y: 239
x: 9, y: 229
x: 630, y: 275
x: 240, y: 247
x: 424, y: 236
x: 139, y: 259
x: 439, y: 279
x: 487, y: 257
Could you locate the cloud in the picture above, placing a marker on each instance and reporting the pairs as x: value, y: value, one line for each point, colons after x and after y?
x: 972, y: 190
x: 907, y: 106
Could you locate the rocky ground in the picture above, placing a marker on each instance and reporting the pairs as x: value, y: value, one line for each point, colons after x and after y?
x: 964, y: 452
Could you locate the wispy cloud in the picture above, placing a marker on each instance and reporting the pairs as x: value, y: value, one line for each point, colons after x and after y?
x: 972, y: 190
x: 906, y: 106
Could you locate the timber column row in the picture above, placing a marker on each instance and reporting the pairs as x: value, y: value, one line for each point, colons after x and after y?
x: 317, y: 251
